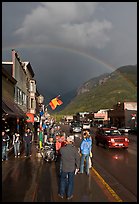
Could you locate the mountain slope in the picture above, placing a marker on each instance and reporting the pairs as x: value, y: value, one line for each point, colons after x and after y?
x: 104, y: 92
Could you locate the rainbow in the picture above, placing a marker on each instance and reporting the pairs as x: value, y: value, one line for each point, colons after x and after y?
x: 68, y: 49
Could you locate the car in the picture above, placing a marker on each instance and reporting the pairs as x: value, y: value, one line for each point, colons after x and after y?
x: 125, y: 129
x: 76, y: 128
x: 86, y: 126
x: 111, y: 138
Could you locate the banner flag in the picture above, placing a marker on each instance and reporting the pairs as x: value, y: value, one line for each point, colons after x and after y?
x: 55, y: 102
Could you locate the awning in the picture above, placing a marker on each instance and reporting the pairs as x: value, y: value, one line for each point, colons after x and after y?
x: 6, y: 109
x: 12, y: 109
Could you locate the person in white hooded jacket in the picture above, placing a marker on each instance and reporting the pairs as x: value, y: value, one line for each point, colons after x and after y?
x: 16, y: 143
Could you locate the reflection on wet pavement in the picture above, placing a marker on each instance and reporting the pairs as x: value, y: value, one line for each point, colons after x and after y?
x: 34, y: 180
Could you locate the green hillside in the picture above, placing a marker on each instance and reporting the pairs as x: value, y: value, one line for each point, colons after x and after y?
x: 121, y: 86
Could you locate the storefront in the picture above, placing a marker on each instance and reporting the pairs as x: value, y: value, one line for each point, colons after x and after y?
x: 13, y: 118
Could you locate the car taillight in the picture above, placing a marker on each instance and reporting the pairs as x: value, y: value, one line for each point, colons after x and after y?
x: 112, y: 140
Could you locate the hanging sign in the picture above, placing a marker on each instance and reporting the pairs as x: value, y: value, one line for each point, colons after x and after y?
x: 30, y: 118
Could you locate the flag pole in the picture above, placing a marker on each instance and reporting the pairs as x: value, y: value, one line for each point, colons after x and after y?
x: 57, y: 96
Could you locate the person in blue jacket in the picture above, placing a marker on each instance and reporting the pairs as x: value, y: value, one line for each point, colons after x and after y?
x: 85, y: 149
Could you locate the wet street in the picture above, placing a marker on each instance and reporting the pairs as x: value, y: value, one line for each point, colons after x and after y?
x: 34, y: 180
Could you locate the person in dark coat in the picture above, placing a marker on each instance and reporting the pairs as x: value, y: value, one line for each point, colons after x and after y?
x: 27, y: 138
x: 70, y: 159
x: 5, y: 140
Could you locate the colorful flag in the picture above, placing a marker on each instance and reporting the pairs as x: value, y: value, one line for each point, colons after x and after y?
x: 55, y: 102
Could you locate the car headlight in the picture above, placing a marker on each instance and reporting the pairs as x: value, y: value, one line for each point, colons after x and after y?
x: 112, y: 140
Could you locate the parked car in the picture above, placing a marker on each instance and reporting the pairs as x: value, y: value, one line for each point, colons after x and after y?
x: 111, y: 138
x: 125, y: 129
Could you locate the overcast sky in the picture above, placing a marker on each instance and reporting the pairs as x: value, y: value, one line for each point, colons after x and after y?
x: 68, y: 43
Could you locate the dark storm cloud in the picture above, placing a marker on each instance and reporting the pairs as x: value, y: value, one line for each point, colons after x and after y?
x: 62, y: 39
x: 61, y: 71
x: 13, y: 14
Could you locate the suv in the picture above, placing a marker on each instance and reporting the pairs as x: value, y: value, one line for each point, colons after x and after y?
x: 111, y: 138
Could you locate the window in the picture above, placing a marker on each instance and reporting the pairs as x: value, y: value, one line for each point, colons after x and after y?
x: 23, y: 99
x: 15, y: 94
x: 20, y: 97
x: 32, y: 103
x: 32, y: 86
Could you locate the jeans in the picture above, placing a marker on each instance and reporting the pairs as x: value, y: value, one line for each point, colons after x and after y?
x: 4, y: 152
x: 60, y: 167
x: 16, y: 148
x: 83, y: 158
x: 27, y: 148
x: 66, y: 183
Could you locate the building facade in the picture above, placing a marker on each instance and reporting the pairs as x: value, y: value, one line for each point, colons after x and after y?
x: 12, y: 116
x: 24, y: 94
x: 101, y: 117
x: 124, y: 114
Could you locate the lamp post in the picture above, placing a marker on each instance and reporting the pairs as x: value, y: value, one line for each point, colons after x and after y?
x: 40, y: 102
x: 40, y: 99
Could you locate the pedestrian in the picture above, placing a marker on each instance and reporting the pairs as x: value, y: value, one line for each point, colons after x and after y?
x: 70, y: 162
x: 45, y: 136
x: 41, y: 138
x: 8, y: 142
x: 50, y: 149
x: 5, y: 140
x: 85, y: 149
x: 52, y: 131
x: 16, y: 144
x: 38, y: 131
x: 60, y: 142
x: 90, y: 155
x: 27, y: 138
x: 63, y: 139
x: 58, y: 145
x: 50, y: 142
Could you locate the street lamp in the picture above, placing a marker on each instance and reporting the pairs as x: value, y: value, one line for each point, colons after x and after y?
x: 40, y: 102
x: 40, y: 99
